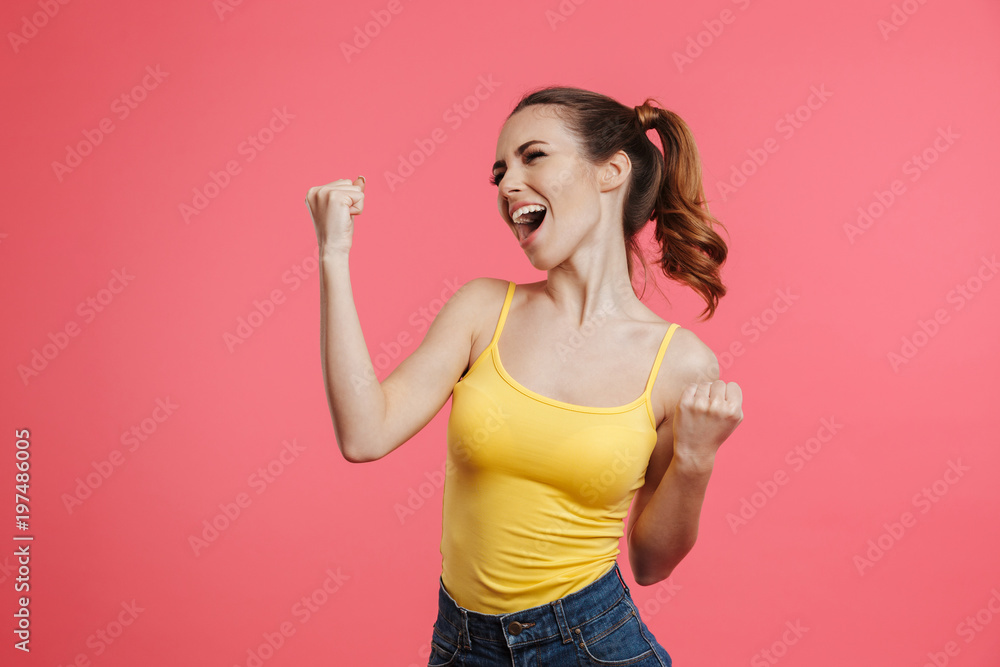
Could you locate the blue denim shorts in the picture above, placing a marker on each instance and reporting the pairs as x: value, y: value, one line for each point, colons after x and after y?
x: 596, y: 625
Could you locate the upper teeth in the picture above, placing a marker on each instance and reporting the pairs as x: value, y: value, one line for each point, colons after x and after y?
x: 529, y: 208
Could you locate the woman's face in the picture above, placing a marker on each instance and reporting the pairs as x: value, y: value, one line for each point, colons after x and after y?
x: 539, y: 162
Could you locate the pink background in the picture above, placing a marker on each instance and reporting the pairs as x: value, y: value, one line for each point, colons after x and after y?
x: 857, y: 300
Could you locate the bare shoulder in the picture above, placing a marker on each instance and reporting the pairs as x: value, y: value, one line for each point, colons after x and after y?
x: 686, y: 360
x: 479, y: 299
x: 481, y: 292
x: 691, y: 359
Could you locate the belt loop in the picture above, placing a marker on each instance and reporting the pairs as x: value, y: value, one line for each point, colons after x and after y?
x: 557, y: 609
x: 618, y: 571
x: 465, y: 629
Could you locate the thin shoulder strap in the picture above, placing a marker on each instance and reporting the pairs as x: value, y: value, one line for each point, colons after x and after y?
x: 503, y: 312
x: 659, y: 356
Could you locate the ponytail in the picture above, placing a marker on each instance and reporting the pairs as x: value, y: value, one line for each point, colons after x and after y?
x: 692, y: 251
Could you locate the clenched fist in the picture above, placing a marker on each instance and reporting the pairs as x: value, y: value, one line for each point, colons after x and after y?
x: 706, y: 414
x: 333, y: 207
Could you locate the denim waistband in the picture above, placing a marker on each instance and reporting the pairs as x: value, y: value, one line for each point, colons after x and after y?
x: 535, y: 624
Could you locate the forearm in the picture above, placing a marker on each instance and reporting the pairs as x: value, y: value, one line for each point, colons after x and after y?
x: 354, y: 395
x: 667, y: 529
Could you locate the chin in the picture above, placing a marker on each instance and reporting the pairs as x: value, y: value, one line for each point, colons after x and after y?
x: 541, y: 262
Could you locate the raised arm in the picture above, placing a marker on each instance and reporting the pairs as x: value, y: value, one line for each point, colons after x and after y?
x: 371, y: 419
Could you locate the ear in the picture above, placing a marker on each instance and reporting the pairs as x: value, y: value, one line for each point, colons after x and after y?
x: 615, y: 172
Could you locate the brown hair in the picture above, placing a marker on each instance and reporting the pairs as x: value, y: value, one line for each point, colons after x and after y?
x: 665, y: 186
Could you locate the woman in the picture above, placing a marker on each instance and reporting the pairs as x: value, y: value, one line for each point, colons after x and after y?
x: 541, y: 469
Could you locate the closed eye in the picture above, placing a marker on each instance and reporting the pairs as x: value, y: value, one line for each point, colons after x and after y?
x: 528, y: 157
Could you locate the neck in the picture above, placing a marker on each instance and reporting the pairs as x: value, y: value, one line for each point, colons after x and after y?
x: 593, y: 283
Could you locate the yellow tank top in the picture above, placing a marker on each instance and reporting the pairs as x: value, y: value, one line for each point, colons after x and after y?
x: 536, y: 490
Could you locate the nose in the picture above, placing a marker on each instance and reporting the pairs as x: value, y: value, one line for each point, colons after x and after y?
x: 511, y: 181
x: 504, y: 196
x: 507, y: 187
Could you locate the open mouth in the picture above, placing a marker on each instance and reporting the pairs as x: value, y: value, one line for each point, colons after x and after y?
x: 528, y: 220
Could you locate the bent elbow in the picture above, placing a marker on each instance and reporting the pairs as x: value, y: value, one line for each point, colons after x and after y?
x: 646, y: 579
x: 649, y: 570
x: 358, y: 455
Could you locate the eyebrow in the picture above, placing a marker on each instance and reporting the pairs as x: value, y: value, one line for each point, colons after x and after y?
x: 517, y: 153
